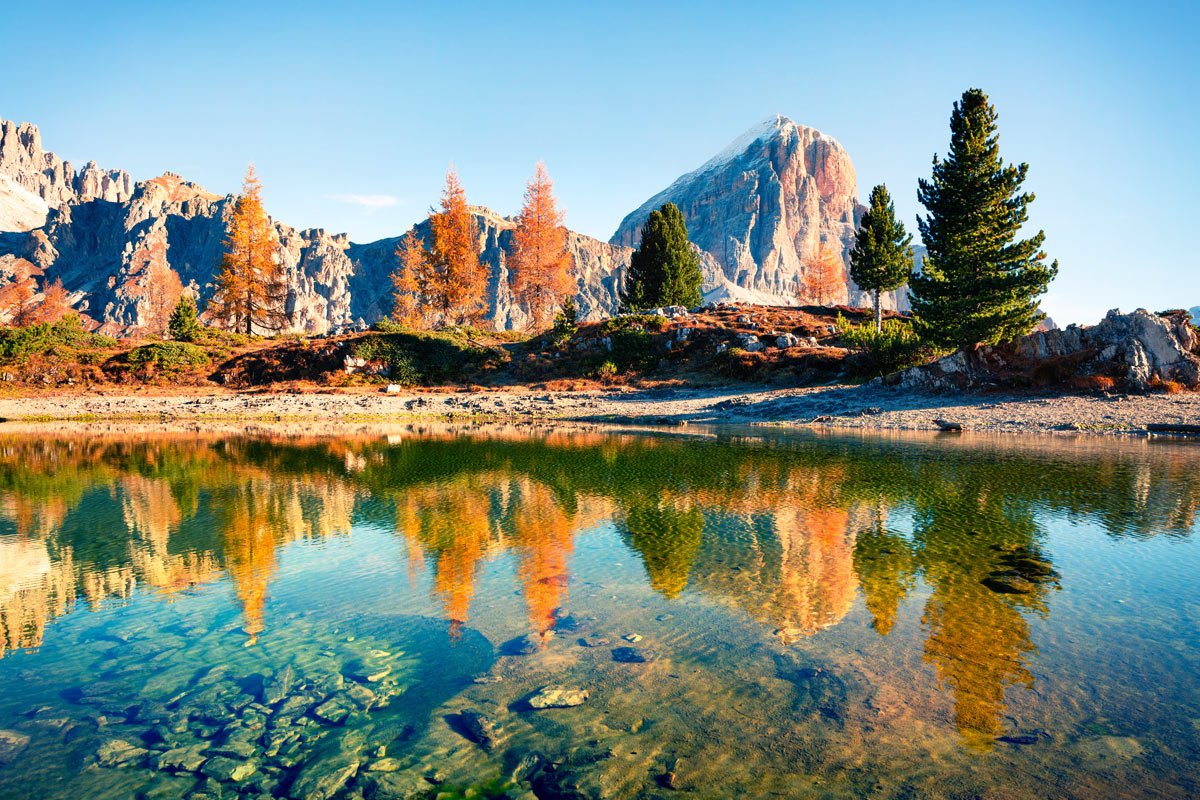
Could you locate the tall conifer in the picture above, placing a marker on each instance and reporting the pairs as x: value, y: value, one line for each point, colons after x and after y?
x: 882, y: 257
x: 540, y: 265
x: 663, y: 270
x: 979, y: 283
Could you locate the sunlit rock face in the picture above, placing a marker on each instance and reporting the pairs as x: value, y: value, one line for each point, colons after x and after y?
x: 766, y: 203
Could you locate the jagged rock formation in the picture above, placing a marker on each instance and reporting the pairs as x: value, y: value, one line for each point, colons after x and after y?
x: 1134, y: 349
x: 764, y: 204
x: 754, y: 212
x: 53, y: 180
x: 1194, y: 311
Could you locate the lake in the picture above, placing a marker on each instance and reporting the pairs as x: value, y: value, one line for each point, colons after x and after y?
x: 545, y: 612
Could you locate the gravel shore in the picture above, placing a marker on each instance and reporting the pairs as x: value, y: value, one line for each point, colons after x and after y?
x: 835, y: 406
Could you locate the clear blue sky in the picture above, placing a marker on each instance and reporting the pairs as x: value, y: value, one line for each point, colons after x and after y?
x: 350, y: 99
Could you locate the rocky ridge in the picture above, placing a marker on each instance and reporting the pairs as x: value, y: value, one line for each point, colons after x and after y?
x: 105, y: 235
x: 766, y: 203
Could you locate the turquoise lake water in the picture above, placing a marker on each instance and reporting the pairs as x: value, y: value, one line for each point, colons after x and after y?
x: 582, y: 613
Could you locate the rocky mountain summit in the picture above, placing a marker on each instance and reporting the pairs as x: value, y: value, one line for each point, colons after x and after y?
x: 763, y: 205
x: 754, y: 212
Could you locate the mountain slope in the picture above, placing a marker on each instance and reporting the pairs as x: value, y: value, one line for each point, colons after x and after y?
x: 764, y: 204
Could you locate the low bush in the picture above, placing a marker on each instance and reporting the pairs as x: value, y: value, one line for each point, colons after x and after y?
x: 891, y: 349
x: 68, y: 332
x: 168, y: 355
x: 632, y: 349
x: 414, y: 358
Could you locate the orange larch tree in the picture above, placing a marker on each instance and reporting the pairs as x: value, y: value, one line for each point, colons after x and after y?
x: 539, y: 264
x: 409, y: 302
x: 823, y: 277
x: 163, y: 290
x: 17, y: 297
x: 455, y: 281
x: 55, y: 303
x: 252, y: 287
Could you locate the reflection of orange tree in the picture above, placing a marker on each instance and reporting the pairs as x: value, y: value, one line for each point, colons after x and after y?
x: 449, y: 523
x: 541, y: 535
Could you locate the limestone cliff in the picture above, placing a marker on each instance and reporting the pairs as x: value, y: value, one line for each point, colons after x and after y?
x: 766, y: 203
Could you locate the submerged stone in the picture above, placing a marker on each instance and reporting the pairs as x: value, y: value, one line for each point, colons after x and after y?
x: 187, y: 759
x: 557, y: 697
x: 324, y: 778
x: 11, y: 745
x: 278, y: 685
x: 118, y: 752
x: 632, y: 655
x: 223, y: 768
x: 479, y: 728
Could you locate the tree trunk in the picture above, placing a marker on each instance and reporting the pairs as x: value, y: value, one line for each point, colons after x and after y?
x: 878, y: 312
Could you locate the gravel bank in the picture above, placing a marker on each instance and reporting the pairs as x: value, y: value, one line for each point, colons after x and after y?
x: 838, y: 406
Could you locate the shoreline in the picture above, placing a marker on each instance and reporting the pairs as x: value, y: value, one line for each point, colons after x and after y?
x: 853, y: 407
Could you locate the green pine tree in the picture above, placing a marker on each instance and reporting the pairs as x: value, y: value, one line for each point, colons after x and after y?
x: 882, y: 257
x: 979, y: 283
x: 664, y: 270
x: 184, y: 324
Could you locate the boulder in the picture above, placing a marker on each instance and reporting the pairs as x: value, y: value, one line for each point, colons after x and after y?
x: 558, y: 697
x: 12, y: 744
x: 323, y: 778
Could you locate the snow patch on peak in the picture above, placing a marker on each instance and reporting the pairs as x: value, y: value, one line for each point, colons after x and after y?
x: 759, y: 132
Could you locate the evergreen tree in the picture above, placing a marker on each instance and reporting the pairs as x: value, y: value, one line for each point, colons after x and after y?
x: 664, y: 270
x: 979, y: 283
x: 882, y: 257
x: 184, y: 323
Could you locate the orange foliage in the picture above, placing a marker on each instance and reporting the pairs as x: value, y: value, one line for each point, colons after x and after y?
x: 252, y: 288
x: 453, y: 282
x: 55, y: 303
x: 543, y: 535
x: 823, y: 277
x: 539, y: 265
x: 408, y: 307
x: 163, y: 290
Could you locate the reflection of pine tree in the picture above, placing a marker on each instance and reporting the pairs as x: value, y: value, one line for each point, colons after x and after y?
x: 886, y: 573
x: 978, y: 640
x: 667, y: 536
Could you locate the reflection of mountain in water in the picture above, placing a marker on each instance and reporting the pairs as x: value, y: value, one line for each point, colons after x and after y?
x: 790, y: 531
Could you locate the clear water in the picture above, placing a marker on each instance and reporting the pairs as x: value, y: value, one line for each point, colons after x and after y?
x: 817, y: 615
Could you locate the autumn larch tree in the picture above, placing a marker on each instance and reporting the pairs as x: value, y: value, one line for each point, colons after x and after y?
x: 822, y: 277
x: 18, y: 297
x: 455, y: 281
x: 408, y: 302
x: 252, y: 287
x: 979, y: 283
x: 55, y: 303
x: 539, y: 264
x: 882, y: 257
x: 163, y: 290
x: 664, y: 270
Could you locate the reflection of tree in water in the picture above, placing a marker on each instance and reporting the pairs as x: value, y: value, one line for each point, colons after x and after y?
x: 541, y: 534
x: 886, y: 571
x: 666, y: 534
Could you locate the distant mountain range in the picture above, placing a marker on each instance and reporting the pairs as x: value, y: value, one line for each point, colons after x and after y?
x: 755, y: 211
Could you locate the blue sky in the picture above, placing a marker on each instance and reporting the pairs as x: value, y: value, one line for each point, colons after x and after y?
x: 340, y: 102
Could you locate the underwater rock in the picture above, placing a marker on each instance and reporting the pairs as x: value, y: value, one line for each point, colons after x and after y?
x: 632, y: 655
x: 557, y: 697
x: 525, y: 645
x: 296, y: 705
x: 394, y: 785
x: 593, y: 641
x: 361, y: 696
x: 235, y: 748
x: 187, y: 759
x: 384, y: 765
x: 278, y: 686
x: 333, y: 710
x: 324, y: 778
x: 480, y: 728
x: 222, y: 768
x: 11, y: 745
x: 1008, y: 583
x: 632, y: 637
x: 118, y: 752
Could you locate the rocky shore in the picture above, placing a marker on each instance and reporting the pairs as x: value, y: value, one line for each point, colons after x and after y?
x: 832, y: 406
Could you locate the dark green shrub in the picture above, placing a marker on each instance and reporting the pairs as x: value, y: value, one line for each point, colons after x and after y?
x: 894, y: 348
x: 431, y: 357
x: 632, y: 349
x: 68, y: 332
x: 168, y: 355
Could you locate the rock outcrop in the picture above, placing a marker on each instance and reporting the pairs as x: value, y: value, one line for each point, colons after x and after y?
x: 55, y: 181
x: 1136, y: 350
x: 766, y: 203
